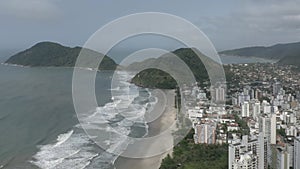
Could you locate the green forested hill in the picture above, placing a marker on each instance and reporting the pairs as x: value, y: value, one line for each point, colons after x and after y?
x: 54, y: 54
x: 154, y: 78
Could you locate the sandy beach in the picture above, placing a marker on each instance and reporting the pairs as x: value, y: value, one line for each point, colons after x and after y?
x: 166, y: 113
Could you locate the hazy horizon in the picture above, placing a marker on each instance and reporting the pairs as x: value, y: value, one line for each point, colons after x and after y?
x: 229, y: 25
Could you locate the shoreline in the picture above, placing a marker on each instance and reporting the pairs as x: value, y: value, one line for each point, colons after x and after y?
x: 55, y: 67
x: 167, y: 117
x: 155, y: 127
x: 258, y: 59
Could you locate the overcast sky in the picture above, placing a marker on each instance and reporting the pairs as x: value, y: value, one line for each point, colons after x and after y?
x: 230, y: 24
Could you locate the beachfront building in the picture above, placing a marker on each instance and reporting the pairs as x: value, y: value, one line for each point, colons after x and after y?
x: 205, y: 133
x: 195, y: 114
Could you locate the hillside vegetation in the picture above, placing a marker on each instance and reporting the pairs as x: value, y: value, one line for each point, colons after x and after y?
x: 155, y: 78
x: 188, y: 155
x: 54, y: 54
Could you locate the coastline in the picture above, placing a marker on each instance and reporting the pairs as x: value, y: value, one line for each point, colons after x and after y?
x: 54, y: 67
x: 157, y: 126
x: 247, y: 59
x: 154, y: 127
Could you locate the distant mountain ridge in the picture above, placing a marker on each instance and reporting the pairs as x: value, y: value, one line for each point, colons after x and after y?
x: 288, y: 53
x: 54, y: 54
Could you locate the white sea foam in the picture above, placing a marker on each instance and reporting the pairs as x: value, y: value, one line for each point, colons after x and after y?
x: 63, y: 137
x: 16, y: 65
x: 72, y: 153
x: 117, y: 88
x: 75, y: 149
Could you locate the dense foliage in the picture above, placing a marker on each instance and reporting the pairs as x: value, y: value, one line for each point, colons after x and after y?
x: 187, y: 155
x: 155, y: 78
x: 281, y: 132
x: 244, y: 128
x: 53, y: 54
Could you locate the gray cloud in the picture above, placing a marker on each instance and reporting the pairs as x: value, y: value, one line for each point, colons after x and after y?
x: 273, y: 15
x: 254, y: 23
x: 229, y: 24
x: 29, y: 9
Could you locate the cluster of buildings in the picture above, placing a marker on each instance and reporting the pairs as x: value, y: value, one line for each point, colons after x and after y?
x: 258, y: 118
x: 207, y: 117
x: 270, y: 106
x: 262, y: 147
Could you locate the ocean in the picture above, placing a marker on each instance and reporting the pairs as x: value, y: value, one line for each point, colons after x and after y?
x: 229, y: 59
x: 39, y: 127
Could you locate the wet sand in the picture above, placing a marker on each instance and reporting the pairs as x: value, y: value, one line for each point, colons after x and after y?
x: 163, y: 122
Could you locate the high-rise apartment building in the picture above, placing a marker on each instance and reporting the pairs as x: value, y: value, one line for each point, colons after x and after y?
x: 205, y: 133
x: 248, y: 153
x: 245, y: 109
x: 296, y: 153
x: 267, y: 125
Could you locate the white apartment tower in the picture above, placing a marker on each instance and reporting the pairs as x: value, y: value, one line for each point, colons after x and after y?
x: 273, y: 128
x: 283, y: 159
x: 268, y: 127
x: 218, y: 93
x: 245, y: 109
x: 296, y: 153
x: 256, y: 109
x: 248, y: 154
x: 276, y: 88
x: 205, y: 133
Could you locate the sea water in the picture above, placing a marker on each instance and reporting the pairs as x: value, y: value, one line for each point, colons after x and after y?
x: 39, y: 127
